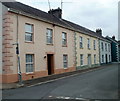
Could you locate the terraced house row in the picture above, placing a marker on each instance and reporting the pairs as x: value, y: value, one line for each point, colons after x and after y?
x: 40, y: 44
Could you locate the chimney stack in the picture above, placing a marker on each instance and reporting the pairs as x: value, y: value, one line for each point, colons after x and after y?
x: 56, y: 12
x: 99, y: 31
x: 113, y: 37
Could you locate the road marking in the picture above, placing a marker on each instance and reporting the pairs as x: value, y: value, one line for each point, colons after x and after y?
x: 50, y: 96
x: 67, y: 97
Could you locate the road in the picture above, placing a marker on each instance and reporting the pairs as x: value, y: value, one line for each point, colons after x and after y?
x: 98, y: 84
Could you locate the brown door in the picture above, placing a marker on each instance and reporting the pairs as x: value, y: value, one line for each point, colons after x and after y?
x: 50, y: 64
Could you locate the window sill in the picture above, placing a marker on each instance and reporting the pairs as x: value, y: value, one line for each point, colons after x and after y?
x: 65, y: 68
x: 51, y: 44
x: 81, y: 48
x: 64, y: 45
x: 29, y: 42
x: 30, y: 73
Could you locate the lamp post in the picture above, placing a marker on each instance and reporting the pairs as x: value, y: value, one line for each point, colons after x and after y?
x: 18, y: 62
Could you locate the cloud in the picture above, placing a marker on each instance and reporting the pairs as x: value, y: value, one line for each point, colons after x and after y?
x: 91, y: 14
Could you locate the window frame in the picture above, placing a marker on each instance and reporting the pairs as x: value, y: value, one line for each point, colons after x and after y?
x: 94, y: 44
x: 81, y: 42
x: 32, y: 32
x: 65, y: 61
x: 95, y: 59
x: 88, y: 43
x: 106, y: 46
x: 102, y: 46
x: 51, y: 36
x: 30, y: 63
x: 81, y: 59
x: 64, y: 40
x: 102, y: 58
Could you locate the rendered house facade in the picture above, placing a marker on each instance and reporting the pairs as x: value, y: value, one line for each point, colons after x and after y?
x: 45, y: 47
x: 104, y: 49
x: 47, y: 43
x: 114, y: 49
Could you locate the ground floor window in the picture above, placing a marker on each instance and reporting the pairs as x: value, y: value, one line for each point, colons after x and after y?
x: 65, y: 61
x: 102, y: 58
x: 29, y: 63
x: 94, y: 58
x: 81, y: 59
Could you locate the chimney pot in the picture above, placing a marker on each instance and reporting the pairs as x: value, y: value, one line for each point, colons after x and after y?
x: 113, y: 37
x: 99, y: 31
x: 56, y: 12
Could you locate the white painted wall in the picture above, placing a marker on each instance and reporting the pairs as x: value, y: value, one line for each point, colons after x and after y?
x: 104, y: 52
x: 0, y: 38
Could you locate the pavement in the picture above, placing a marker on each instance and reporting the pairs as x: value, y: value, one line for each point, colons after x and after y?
x: 47, y: 78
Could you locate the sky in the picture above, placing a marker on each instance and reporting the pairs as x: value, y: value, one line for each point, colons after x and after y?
x: 92, y: 14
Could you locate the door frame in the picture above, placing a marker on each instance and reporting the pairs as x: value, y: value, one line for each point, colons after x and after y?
x: 51, y: 56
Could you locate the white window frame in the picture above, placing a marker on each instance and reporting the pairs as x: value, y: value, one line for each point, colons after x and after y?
x: 106, y: 46
x: 88, y: 45
x: 95, y: 58
x: 81, y: 59
x: 94, y: 44
x: 49, y: 36
x: 102, y: 46
x: 30, y: 63
x: 64, y: 39
x: 65, y: 61
x: 81, y: 42
x: 27, y: 33
x: 102, y: 58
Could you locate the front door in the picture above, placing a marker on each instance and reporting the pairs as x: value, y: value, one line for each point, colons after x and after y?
x: 50, y: 64
x: 106, y: 59
x: 89, y: 60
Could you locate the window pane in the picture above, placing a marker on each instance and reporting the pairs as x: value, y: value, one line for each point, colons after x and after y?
x: 29, y: 67
x: 49, y: 36
x: 28, y: 37
x: 28, y: 28
x: 65, y: 61
x: 29, y: 58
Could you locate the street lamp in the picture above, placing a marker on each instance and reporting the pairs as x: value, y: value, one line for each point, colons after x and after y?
x: 18, y: 62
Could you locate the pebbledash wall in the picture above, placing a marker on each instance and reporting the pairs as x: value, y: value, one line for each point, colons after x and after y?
x: 10, y: 72
x: 85, y: 51
x: 0, y: 42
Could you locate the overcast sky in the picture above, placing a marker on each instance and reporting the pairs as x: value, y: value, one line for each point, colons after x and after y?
x: 91, y: 14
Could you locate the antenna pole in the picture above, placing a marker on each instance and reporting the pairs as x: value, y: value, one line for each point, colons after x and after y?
x: 49, y: 5
x: 61, y: 4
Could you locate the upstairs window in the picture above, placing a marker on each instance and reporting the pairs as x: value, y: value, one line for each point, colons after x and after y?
x: 81, y: 42
x: 88, y: 45
x: 102, y: 46
x: 94, y: 44
x: 28, y: 32
x: 105, y: 46
x: 64, y: 39
x: 49, y: 36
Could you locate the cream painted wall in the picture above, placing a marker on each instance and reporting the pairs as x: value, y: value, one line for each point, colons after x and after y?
x: 85, y: 51
x: 39, y: 47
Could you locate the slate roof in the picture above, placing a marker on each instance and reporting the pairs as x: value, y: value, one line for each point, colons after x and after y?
x: 49, y: 17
